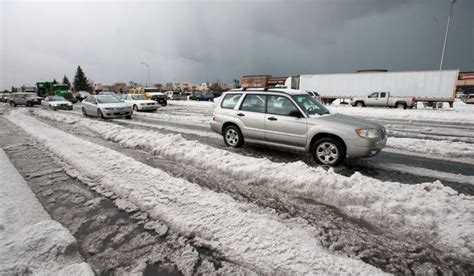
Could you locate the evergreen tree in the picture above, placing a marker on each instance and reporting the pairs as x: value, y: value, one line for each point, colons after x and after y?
x: 81, y: 83
x: 66, y: 81
x: 54, y: 81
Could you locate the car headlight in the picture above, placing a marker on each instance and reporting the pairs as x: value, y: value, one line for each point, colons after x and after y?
x: 367, y: 133
x: 142, y: 104
x: 108, y: 108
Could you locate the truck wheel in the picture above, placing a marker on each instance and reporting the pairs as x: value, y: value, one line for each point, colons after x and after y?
x: 360, y: 104
x: 12, y: 103
x: 164, y: 103
x: 328, y: 151
x: 233, y: 137
x: 401, y: 106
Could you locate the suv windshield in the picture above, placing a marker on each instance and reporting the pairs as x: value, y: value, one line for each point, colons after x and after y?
x: 310, y: 105
x: 104, y: 99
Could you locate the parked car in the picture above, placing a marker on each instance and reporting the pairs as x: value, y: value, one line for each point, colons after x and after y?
x: 56, y: 102
x: 384, y: 99
x: 208, y: 96
x: 68, y: 96
x: 176, y: 96
x: 23, y: 98
x: 139, y: 103
x: 106, y: 106
x: 2, y: 95
x: 168, y: 94
x: 469, y: 99
x: 81, y: 95
x: 314, y: 94
x: 157, y: 96
x: 293, y: 119
x: 5, y: 97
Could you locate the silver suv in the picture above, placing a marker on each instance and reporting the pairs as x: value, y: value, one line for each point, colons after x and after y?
x: 24, y: 98
x: 293, y: 119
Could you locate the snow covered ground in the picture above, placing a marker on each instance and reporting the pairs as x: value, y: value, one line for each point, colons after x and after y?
x: 30, y: 241
x: 244, y: 232
x: 464, y: 115
x: 430, y: 210
x: 424, y: 210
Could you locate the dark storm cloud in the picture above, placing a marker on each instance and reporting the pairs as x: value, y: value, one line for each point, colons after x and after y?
x: 221, y: 40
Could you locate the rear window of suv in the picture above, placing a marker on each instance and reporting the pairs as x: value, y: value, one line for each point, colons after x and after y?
x: 230, y: 100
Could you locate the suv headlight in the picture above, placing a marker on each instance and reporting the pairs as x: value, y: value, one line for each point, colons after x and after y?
x: 367, y: 133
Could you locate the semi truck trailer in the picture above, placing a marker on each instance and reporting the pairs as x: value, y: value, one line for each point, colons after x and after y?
x: 424, y: 86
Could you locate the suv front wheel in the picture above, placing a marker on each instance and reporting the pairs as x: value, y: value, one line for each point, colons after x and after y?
x: 233, y: 137
x: 328, y: 151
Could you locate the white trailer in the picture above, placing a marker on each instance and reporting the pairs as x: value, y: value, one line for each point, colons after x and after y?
x: 431, y: 86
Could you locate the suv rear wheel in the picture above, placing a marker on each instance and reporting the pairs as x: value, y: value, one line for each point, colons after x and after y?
x: 328, y: 151
x: 233, y: 137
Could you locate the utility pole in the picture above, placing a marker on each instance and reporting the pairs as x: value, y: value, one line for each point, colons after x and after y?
x: 147, y: 66
x: 446, y: 35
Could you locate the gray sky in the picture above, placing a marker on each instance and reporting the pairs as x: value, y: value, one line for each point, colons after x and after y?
x: 221, y: 40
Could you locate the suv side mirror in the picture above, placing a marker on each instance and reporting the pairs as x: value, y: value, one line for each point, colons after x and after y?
x: 295, y: 113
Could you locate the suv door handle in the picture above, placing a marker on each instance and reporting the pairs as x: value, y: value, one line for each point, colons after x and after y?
x: 272, y: 119
x: 241, y: 114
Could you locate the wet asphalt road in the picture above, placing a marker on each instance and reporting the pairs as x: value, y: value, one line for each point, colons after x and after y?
x: 368, y: 166
x: 113, y: 240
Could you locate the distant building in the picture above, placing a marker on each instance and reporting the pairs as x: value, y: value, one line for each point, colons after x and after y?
x: 204, y: 87
x: 259, y: 81
x: 254, y: 81
x: 465, y: 81
x: 121, y: 87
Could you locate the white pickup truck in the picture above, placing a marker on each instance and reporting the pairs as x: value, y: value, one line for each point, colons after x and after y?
x: 384, y: 99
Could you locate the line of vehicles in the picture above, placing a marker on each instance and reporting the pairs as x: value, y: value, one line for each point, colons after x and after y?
x: 285, y: 118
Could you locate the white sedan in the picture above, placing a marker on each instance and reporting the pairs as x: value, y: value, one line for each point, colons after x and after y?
x: 56, y: 102
x: 138, y: 102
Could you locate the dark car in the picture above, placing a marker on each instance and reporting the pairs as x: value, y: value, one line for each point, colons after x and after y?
x: 205, y: 97
x: 70, y: 97
x: 81, y: 95
x: 158, y: 96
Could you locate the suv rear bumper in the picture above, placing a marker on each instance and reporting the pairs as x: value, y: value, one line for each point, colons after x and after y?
x: 216, y: 127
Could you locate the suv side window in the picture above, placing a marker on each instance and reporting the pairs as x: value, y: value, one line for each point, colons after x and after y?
x: 254, y: 103
x: 280, y: 105
x: 230, y: 100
